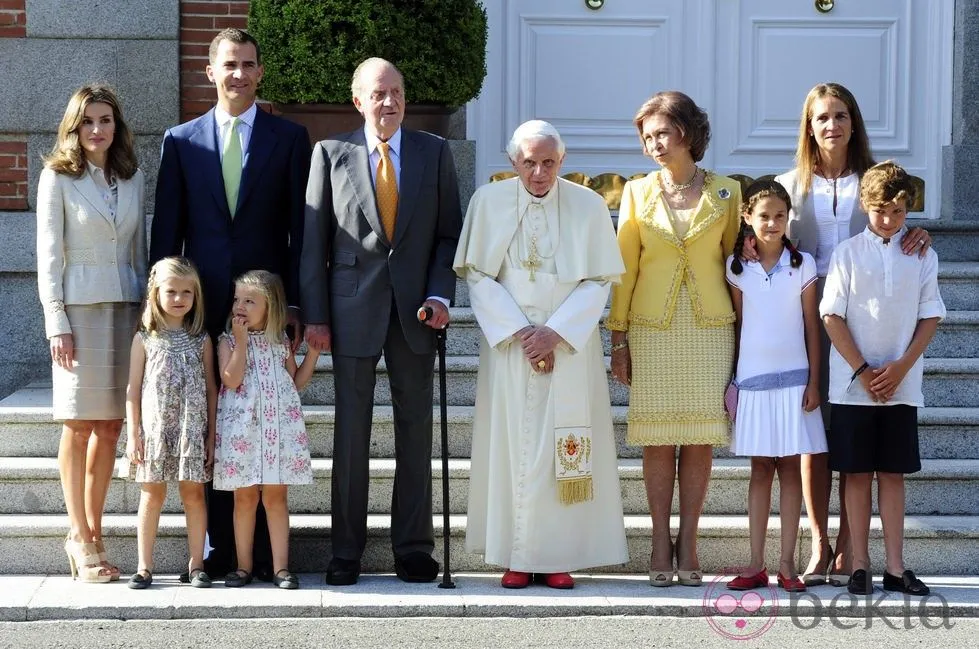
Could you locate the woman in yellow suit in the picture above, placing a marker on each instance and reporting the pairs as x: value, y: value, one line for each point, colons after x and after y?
x: 672, y: 321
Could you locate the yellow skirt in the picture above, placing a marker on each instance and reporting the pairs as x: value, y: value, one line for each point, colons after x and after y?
x: 678, y: 380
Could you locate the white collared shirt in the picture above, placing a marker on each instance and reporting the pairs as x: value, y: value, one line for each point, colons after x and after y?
x: 246, y: 122
x: 109, y: 190
x: 773, y: 335
x: 832, y: 227
x: 882, y: 293
x: 375, y: 155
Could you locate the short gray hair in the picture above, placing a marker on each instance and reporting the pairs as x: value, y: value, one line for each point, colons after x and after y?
x: 535, y: 129
x: 356, y: 88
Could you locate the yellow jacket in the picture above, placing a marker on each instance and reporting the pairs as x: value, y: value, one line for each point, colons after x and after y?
x: 656, y: 261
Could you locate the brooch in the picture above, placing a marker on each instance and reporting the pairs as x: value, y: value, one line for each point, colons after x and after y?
x: 724, y: 193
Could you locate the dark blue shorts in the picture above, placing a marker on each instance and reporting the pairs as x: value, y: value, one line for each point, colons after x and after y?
x: 865, y: 439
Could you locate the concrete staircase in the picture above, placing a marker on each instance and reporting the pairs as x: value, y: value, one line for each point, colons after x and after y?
x: 942, y: 525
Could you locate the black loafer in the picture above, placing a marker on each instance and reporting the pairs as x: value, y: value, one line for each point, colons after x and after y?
x: 907, y: 583
x: 141, y: 580
x: 285, y: 579
x: 342, y: 572
x: 416, y: 567
x: 861, y: 583
x: 237, y: 579
x: 198, y: 578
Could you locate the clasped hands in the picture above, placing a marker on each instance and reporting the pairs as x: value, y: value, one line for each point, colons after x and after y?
x: 539, y: 343
x: 882, y: 382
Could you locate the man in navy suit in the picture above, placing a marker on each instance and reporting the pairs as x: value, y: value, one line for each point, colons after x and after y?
x: 231, y: 197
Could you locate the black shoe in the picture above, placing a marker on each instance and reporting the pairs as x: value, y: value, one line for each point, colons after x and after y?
x: 861, y: 583
x: 141, y: 580
x: 342, y: 572
x: 237, y: 579
x: 184, y: 578
x: 198, y: 578
x: 263, y: 572
x: 906, y: 583
x: 285, y: 579
x: 416, y: 567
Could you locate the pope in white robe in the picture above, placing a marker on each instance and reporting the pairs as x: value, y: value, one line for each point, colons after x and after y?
x: 539, y: 255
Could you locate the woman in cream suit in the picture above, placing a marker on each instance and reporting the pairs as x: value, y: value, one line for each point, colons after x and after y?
x: 672, y: 321
x: 91, y: 262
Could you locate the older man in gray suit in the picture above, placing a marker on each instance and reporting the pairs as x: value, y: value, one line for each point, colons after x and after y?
x: 382, y: 224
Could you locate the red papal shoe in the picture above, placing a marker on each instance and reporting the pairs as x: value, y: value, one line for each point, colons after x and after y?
x: 514, y: 579
x: 561, y: 580
x: 743, y: 582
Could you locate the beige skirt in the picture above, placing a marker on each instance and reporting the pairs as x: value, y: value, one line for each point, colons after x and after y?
x: 679, y: 376
x: 95, y: 389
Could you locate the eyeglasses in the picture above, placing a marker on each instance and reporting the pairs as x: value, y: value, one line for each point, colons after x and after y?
x: 750, y: 602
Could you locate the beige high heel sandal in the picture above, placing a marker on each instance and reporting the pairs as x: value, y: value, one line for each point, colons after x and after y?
x: 83, y: 561
x: 104, y: 562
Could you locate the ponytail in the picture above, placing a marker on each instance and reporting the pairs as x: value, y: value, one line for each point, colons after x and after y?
x: 795, y: 257
x: 736, y: 265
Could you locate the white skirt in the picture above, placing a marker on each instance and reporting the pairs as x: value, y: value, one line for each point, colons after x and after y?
x: 772, y: 423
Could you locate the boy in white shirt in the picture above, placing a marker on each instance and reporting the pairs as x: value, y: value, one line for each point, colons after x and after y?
x: 881, y: 309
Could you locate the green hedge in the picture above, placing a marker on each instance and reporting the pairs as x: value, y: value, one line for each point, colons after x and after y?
x: 311, y: 47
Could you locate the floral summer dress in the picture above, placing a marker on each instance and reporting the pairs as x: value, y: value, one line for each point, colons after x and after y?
x: 173, y: 408
x: 261, y: 435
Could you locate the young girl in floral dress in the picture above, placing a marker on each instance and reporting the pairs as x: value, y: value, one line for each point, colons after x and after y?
x: 262, y: 444
x: 170, y: 406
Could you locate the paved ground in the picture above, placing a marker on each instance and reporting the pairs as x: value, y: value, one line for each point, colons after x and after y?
x: 600, y: 632
x: 28, y: 599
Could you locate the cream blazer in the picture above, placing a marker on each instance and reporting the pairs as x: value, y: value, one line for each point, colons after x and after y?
x: 83, y: 255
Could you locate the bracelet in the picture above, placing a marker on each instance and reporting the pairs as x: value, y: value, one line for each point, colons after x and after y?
x: 617, y: 346
x: 860, y: 370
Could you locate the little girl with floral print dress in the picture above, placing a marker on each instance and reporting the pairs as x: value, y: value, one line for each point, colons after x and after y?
x: 262, y: 445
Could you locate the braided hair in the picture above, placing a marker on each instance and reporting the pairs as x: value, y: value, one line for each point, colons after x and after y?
x: 756, y: 191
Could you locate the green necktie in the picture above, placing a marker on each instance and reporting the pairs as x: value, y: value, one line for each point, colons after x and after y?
x: 231, y: 165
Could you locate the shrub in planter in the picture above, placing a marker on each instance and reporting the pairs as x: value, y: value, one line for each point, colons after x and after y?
x: 311, y: 47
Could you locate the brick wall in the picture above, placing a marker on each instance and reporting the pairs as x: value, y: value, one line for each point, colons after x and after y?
x: 200, y: 20
x: 13, y: 19
x: 13, y: 148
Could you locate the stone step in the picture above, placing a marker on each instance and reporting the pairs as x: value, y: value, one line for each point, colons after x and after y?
x: 952, y: 240
x: 31, y: 486
x: 109, y: 609
x: 27, y: 430
x: 948, y: 382
x: 957, y: 336
x: 958, y: 281
x: 33, y: 544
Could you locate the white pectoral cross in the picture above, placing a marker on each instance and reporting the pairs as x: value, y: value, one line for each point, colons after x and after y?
x: 533, y: 260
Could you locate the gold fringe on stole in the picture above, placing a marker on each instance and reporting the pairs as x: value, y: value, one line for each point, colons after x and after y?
x: 575, y: 490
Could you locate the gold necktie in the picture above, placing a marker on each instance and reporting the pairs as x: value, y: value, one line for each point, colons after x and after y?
x: 387, y: 190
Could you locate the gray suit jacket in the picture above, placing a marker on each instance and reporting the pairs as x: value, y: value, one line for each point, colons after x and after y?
x: 349, y: 271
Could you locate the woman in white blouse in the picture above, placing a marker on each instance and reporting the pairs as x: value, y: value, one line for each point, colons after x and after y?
x: 832, y: 155
x: 91, y: 270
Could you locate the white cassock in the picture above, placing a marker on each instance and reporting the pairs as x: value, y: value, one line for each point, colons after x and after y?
x: 516, y: 518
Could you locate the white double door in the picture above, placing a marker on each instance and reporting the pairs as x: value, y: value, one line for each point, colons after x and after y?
x: 749, y: 63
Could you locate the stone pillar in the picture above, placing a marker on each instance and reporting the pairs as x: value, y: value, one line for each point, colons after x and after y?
x: 960, y: 160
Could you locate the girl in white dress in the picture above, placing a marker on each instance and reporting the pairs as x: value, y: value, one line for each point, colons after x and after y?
x: 777, y: 375
x: 262, y: 444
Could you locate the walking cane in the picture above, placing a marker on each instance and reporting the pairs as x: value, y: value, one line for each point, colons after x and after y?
x: 425, y: 313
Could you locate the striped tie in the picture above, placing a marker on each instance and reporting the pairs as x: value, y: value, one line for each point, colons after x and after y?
x: 231, y: 165
x: 387, y: 191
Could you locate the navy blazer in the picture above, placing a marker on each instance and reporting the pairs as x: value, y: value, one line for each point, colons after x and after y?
x: 192, y: 216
